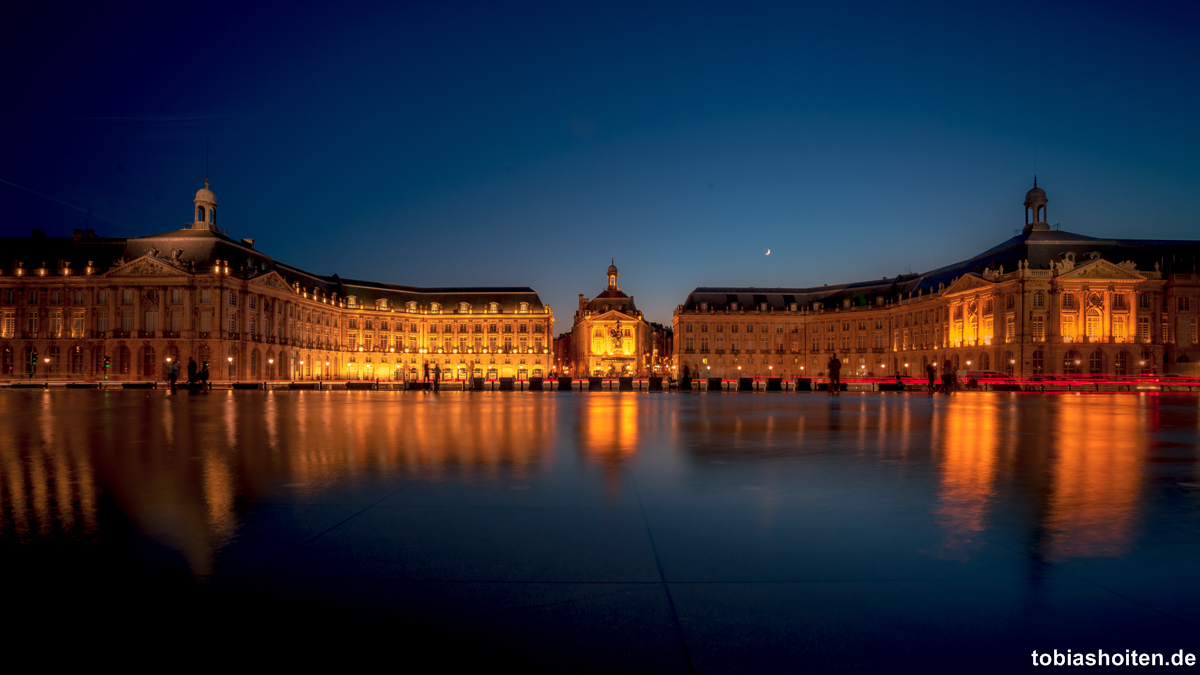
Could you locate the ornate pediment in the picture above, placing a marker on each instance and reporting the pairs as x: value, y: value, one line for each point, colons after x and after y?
x: 1102, y: 269
x: 968, y: 282
x: 146, y: 266
x: 614, y: 315
x: 273, y: 280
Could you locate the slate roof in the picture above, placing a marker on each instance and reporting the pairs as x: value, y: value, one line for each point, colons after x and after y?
x: 1040, y: 248
x: 198, y: 249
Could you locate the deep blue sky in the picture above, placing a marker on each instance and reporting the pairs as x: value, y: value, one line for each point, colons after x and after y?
x: 452, y: 144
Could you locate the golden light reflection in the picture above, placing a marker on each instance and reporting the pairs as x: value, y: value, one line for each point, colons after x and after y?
x: 966, y: 436
x: 180, y: 483
x: 1100, y: 446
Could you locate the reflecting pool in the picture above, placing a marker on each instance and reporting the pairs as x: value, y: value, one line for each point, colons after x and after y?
x: 603, y: 531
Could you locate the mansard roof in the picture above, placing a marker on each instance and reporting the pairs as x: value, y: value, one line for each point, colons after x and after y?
x: 196, y: 250
x: 1039, y: 248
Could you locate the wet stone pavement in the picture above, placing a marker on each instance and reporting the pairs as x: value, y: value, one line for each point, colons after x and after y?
x: 603, y: 532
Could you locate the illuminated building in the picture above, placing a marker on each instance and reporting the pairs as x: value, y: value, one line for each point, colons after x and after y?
x: 1045, y: 302
x: 610, y: 336
x: 69, y: 307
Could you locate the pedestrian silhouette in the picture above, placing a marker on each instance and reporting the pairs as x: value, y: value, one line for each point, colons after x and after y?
x: 835, y: 375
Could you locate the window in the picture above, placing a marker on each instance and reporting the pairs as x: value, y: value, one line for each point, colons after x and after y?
x: 1119, y: 302
x: 126, y: 322
x: 252, y: 303
x: 1039, y: 300
x: 1093, y: 328
x: 233, y: 298
x: 101, y: 297
x: 687, y: 328
x: 879, y: 340
x: 176, y: 295
x: 1143, y: 334
x: 152, y: 320
x: 1010, y: 328
x: 1010, y: 301
x: 1192, y: 332
x: 1038, y: 328
x: 703, y: 328
x: 126, y: 296
x: 1183, y: 304
x: 205, y: 296
x: 55, y: 324
x: 205, y: 322
x: 102, y: 322
x: 1068, y: 328
x: 1119, y: 328
x: 9, y: 327
x: 1039, y: 362
x: 1068, y: 301
x: 33, y: 298
x: 1008, y: 363
x: 77, y: 324
x: 1096, y: 363
x: 1143, y: 300
x: 987, y: 308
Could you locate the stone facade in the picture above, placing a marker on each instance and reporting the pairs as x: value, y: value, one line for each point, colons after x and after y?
x: 1045, y: 302
x: 610, y: 337
x: 71, y: 305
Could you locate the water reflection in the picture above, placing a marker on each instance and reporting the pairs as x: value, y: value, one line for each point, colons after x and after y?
x: 178, y: 467
x: 967, y: 440
x: 1063, y: 472
x: 1099, y: 449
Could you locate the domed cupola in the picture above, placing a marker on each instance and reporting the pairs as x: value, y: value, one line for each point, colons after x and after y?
x: 1035, y: 206
x: 206, y: 208
x: 612, y: 276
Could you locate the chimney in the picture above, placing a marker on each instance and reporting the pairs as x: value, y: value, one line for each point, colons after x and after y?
x: 248, y: 242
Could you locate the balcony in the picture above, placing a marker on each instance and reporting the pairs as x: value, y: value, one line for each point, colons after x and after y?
x: 120, y: 334
x: 735, y: 350
x: 687, y: 350
x: 719, y: 351
x: 270, y: 339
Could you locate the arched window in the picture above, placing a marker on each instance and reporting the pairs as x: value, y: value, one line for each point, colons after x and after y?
x: 985, y: 361
x: 1121, y: 364
x: 464, y: 308
x: 1096, y: 363
x: 76, y: 361
x: 1072, y: 363
x: 205, y: 355
x: 255, y: 366
x: 6, y: 367
x: 412, y: 307
x: 1009, y: 366
x: 200, y: 214
x: 524, y: 308
x: 123, y: 359
x: 435, y: 307
x: 494, y: 308
x: 1039, y: 362
x: 148, y: 363
x: 1146, y: 363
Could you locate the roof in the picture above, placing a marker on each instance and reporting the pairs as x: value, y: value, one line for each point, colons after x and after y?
x: 194, y: 250
x: 1040, y: 248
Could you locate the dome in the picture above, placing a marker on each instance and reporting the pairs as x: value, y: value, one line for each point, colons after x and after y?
x: 1036, y: 195
x: 206, y: 195
x: 612, y: 269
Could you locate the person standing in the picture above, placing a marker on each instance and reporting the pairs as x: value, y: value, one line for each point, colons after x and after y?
x: 204, y: 376
x: 191, y: 372
x: 173, y: 374
x: 835, y: 375
x: 931, y: 375
x: 437, y: 376
x: 425, y: 368
x: 947, y: 377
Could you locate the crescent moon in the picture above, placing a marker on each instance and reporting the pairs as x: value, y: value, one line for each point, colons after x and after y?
x: 768, y: 251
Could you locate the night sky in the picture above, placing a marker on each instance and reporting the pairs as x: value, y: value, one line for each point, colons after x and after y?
x: 444, y: 144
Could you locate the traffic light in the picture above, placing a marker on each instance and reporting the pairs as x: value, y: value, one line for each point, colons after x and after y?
x: 33, y: 357
x: 107, y: 361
